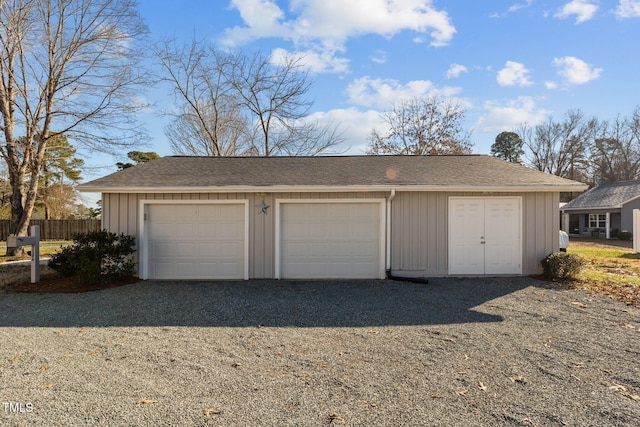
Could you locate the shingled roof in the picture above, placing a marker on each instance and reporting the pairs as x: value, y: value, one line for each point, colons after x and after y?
x: 330, y: 173
x: 611, y: 196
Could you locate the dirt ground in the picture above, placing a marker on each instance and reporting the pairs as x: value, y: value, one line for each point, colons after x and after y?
x: 17, y: 278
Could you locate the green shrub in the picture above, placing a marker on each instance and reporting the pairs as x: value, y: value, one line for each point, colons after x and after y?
x: 562, y: 265
x: 624, y: 235
x: 96, y: 257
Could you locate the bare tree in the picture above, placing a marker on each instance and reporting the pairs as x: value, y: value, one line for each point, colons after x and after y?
x: 69, y: 64
x: 422, y: 126
x: 616, y: 150
x: 560, y: 148
x: 210, y: 120
x: 275, y: 97
x: 234, y: 103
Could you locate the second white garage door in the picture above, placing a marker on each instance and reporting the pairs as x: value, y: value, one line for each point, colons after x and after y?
x: 196, y: 241
x: 326, y: 240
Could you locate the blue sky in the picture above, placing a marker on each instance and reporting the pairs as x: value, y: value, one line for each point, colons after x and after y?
x: 508, y: 62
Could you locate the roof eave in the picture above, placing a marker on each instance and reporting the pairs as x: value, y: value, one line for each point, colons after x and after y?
x: 592, y: 208
x: 326, y: 189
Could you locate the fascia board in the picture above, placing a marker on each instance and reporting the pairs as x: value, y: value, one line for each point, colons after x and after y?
x: 591, y: 208
x: 326, y: 189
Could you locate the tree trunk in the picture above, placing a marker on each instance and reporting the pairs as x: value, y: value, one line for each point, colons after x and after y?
x: 19, y: 223
x: 21, y: 208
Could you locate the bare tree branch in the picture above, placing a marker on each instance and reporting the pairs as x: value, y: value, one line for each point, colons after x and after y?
x: 239, y: 104
x: 422, y: 126
x: 68, y: 64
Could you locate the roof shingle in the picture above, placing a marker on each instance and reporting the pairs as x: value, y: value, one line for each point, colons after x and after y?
x: 612, y: 195
x: 226, y: 173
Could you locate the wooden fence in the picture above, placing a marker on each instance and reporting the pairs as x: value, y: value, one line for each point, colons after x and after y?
x: 56, y: 229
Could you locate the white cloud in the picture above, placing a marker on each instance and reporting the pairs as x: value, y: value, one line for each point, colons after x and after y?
x: 518, y: 6
x: 628, y: 9
x: 380, y: 57
x: 576, y: 71
x: 355, y: 125
x: 455, y: 70
x: 501, y: 117
x: 316, y: 62
x: 583, y: 9
x: 262, y: 18
x: 325, y: 26
x: 551, y: 85
x: 513, y: 74
x: 512, y: 9
x: 383, y: 93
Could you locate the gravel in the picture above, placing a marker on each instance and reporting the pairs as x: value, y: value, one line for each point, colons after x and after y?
x: 484, y: 352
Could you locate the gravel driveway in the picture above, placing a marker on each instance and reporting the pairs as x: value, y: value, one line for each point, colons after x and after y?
x: 481, y: 352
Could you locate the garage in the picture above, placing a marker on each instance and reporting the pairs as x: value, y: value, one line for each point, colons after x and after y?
x: 324, y: 239
x: 195, y: 241
x: 345, y: 217
x: 485, y: 235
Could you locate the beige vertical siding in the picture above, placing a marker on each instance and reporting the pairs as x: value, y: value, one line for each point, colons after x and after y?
x: 419, y: 231
x: 419, y: 226
x: 121, y: 215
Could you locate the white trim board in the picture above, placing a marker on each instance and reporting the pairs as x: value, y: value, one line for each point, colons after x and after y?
x: 336, y: 189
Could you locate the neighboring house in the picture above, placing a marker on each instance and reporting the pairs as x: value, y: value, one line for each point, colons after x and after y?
x: 334, y: 217
x: 603, y: 210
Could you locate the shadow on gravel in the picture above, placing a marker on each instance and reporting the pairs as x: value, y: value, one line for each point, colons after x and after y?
x: 264, y: 302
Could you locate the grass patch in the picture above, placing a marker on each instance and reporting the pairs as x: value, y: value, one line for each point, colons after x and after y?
x: 609, y: 270
x: 47, y: 249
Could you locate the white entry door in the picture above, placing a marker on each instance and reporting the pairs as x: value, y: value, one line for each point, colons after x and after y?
x: 485, y: 235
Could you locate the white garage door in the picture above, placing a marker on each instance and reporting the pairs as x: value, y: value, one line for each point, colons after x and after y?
x: 195, y: 241
x: 331, y: 240
x: 484, y: 235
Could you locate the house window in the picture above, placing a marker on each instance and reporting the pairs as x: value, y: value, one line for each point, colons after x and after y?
x: 597, y: 220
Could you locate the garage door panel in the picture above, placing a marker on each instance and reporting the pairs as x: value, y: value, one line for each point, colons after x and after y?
x: 162, y: 270
x: 318, y: 231
x: 330, y: 240
x: 339, y: 231
x: 341, y: 250
x: 361, y: 269
x: 186, y: 250
x: 186, y: 212
x: 318, y: 249
x: 366, y: 250
x: 186, y: 231
x: 196, y: 241
x: 230, y: 250
x: 297, y: 249
x: 294, y: 231
x: 206, y: 229
x: 165, y: 215
x: 162, y: 250
x: 209, y: 250
x: 162, y: 230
